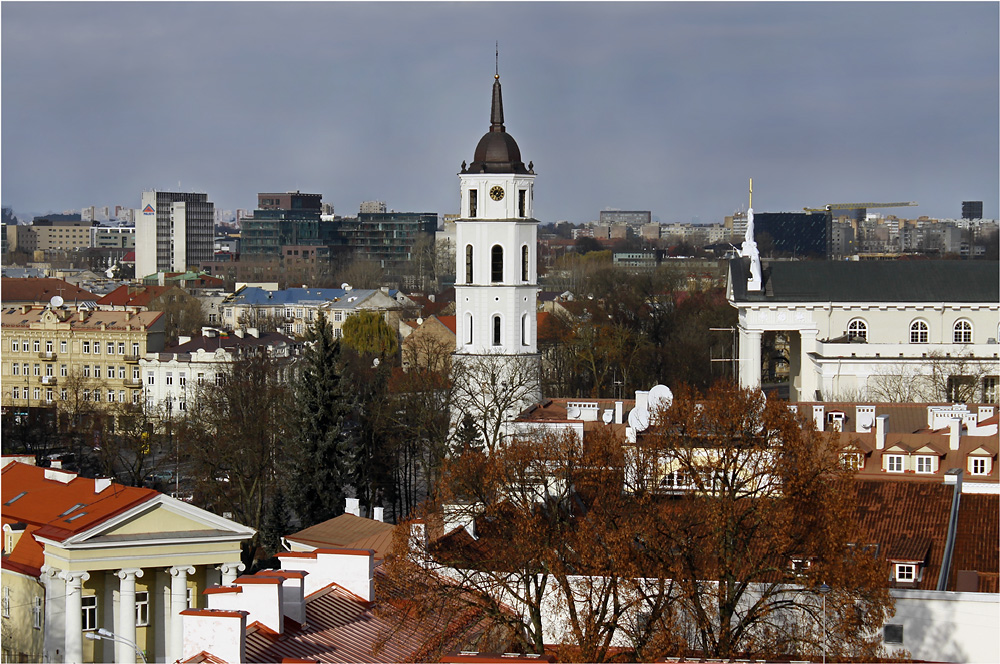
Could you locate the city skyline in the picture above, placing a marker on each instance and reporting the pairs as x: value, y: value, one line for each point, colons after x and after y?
x: 665, y: 107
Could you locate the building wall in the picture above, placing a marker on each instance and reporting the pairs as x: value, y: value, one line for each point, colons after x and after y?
x: 22, y: 640
x: 947, y: 626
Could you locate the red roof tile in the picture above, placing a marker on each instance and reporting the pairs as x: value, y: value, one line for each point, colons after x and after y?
x: 40, y: 291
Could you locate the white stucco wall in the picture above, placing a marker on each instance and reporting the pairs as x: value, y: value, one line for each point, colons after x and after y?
x: 948, y: 626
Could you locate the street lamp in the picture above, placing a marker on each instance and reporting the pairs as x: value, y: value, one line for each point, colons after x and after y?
x: 824, y: 590
x: 102, y: 633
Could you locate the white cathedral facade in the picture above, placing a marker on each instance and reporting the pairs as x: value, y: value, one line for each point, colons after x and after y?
x: 497, y: 364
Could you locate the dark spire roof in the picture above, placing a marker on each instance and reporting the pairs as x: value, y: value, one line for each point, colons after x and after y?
x: 497, y: 151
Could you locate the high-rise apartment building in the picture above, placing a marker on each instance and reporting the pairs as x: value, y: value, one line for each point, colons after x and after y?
x: 174, y: 232
x: 281, y: 219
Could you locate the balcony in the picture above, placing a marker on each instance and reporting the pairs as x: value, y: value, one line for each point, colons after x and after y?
x: 133, y: 382
x: 47, y: 355
x: 132, y: 358
x: 48, y: 380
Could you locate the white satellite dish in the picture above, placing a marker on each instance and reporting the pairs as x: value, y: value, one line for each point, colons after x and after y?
x: 638, y: 419
x: 660, y: 397
x: 573, y: 413
x: 345, y: 286
x: 110, y: 273
x: 56, y: 301
x: 608, y: 416
x: 866, y: 421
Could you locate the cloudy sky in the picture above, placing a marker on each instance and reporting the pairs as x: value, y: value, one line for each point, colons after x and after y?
x: 668, y: 107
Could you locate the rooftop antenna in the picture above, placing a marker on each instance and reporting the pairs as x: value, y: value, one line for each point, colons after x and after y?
x: 496, y: 72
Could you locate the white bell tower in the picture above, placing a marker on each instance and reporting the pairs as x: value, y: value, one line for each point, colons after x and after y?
x: 496, y: 284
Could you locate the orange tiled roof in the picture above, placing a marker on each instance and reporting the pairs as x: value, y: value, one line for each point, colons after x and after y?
x: 56, y: 504
x: 112, y: 320
x: 133, y: 296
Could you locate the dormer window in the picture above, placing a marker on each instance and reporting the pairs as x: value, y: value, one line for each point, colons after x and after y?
x: 906, y: 572
x: 979, y: 465
x: 835, y: 419
x: 894, y: 463
x: 853, y: 460
x: 925, y: 464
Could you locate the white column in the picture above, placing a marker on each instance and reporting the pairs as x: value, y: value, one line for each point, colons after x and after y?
x: 126, y: 614
x: 55, y: 605
x: 807, y: 368
x: 178, y: 602
x: 74, y: 615
x: 749, y: 357
x: 230, y: 571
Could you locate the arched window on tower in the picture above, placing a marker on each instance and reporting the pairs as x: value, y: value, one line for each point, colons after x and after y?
x: 496, y: 263
x: 468, y: 263
x: 522, y: 195
x: 473, y: 203
x: 496, y: 330
x: 524, y: 262
x: 524, y: 330
x: 468, y: 329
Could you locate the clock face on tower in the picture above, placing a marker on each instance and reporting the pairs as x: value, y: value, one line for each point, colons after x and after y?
x: 496, y: 193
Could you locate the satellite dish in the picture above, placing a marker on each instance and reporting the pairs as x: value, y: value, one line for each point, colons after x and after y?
x: 638, y: 419
x: 866, y: 421
x: 608, y: 416
x: 56, y: 301
x: 375, y: 362
x: 345, y: 286
x: 110, y: 273
x: 574, y: 413
x: 659, y: 397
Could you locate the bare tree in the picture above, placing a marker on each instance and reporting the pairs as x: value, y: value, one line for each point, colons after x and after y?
x: 492, y: 389
x: 959, y: 378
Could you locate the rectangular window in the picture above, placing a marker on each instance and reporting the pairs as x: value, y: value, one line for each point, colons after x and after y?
x: 136, y: 373
x: 111, y: 348
x: 24, y: 346
x: 48, y: 346
x: 14, y: 345
x: 50, y: 370
x: 906, y: 573
x: 97, y: 348
x: 135, y: 396
x: 925, y: 464
x: 62, y: 346
x: 63, y: 394
x: 990, y: 389
x: 17, y: 392
x: 63, y: 370
x: 36, y: 612
x: 473, y: 203
x: 894, y: 463
x: 121, y: 347
x: 121, y: 373
x: 111, y: 396
x: 170, y: 378
x: 522, y: 195
x: 86, y: 347
x: 48, y: 394
x: 182, y: 379
x: 37, y: 369
x: 893, y: 634
x: 97, y: 371
x: 190, y: 598
x: 219, y: 379
x: 86, y: 395
x: 89, y: 612
x: 150, y: 378
x: 141, y: 608
x: 6, y: 602
x: 135, y: 349
x: 36, y: 393
x: 16, y: 369
x: 337, y: 316
x: 36, y: 345
x: 86, y: 371
x: 979, y: 466
x: 201, y: 378
x: 121, y: 396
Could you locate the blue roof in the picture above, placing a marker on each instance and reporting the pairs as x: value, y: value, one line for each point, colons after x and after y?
x: 302, y: 296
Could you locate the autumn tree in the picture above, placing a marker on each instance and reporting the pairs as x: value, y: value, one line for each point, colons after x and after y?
x: 708, y: 535
x: 130, y: 443
x: 749, y: 511
x: 233, y: 439
x: 182, y: 314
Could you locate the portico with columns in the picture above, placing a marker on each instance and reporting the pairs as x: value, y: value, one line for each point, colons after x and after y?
x: 130, y: 570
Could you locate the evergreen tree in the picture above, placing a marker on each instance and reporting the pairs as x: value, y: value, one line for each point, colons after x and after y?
x: 321, y: 457
x: 276, y: 523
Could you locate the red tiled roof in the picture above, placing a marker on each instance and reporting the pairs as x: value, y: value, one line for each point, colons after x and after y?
x: 47, y: 507
x: 347, y: 532
x: 133, y: 296
x: 339, y: 628
x: 40, y: 291
x: 449, y: 322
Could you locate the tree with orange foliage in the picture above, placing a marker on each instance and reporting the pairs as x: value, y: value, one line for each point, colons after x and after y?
x: 707, y: 534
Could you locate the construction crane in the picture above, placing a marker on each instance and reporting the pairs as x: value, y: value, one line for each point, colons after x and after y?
x: 862, y: 207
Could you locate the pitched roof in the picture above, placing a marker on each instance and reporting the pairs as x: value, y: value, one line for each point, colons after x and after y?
x: 348, y: 531
x: 851, y: 281
x: 93, y: 320
x: 133, y: 296
x: 340, y: 627
x: 56, y: 504
x: 229, y: 341
x: 40, y: 291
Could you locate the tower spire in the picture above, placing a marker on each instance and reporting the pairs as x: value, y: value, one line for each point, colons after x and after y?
x: 496, y: 113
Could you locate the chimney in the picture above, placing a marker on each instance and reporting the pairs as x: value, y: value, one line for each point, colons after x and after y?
x: 253, y: 332
x: 181, y: 340
x: 221, y: 633
x: 642, y: 399
x: 292, y: 592
x: 240, y: 333
x: 864, y: 419
x: 261, y: 595
x: 379, y: 513
x: 986, y: 412
x: 954, y: 434
x: 459, y: 516
x: 353, y: 507
x: 418, y: 540
x: 818, y: 417
x: 618, y: 412
x: 881, y: 430
x: 101, y: 484
x: 351, y: 569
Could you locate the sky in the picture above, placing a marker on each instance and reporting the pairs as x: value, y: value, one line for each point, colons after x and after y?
x: 667, y: 107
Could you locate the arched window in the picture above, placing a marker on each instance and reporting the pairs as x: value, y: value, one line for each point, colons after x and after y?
x: 962, y: 332
x: 524, y: 262
x: 857, y: 330
x: 496, y: 263
x: 524, y: 330
x: 496, y: 330
x: 918, y: 332
x: 468, y: 263
x: 468, y: 329
x: 473, y: 203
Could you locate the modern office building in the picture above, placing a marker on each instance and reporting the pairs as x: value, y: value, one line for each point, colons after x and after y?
x: 972, y: 209
x: 385, y: 238
x: 291, y: 218
x: 174, y: 231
